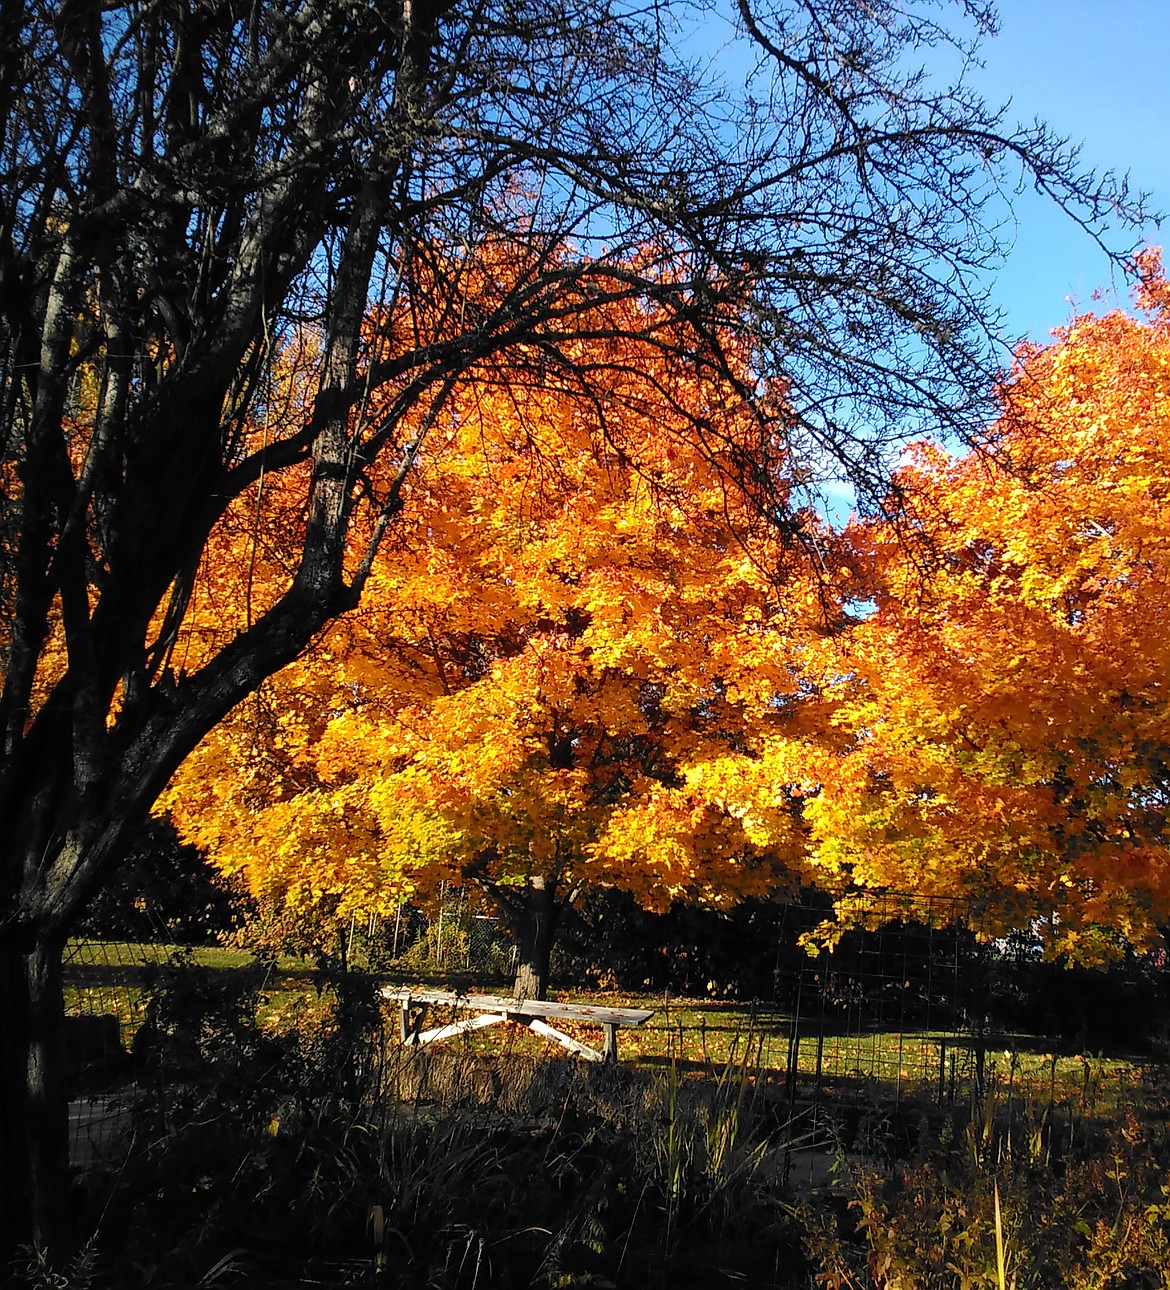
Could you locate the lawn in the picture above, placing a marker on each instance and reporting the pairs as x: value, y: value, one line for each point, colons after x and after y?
x: 686, y: 1034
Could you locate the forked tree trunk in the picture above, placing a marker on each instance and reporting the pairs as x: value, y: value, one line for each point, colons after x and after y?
x: 34, y: 1122
x: 534, y: 915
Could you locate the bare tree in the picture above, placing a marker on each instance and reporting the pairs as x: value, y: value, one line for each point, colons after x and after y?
x: 184, y: 182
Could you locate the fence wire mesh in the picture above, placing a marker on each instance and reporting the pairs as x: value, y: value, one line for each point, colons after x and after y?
x: 920, y: 1007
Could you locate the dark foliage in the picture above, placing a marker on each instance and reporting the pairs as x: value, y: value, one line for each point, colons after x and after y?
x: 164, y: 892
x: 904, y: 974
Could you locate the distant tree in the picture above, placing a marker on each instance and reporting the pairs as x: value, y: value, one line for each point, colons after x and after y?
x: 164, y: 890
x: 184, y: 186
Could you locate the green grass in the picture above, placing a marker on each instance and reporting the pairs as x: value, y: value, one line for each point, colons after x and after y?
x: 110, y: 977
x: 691, y: 1035
x: 140, y: 954
x: 703, y: 1035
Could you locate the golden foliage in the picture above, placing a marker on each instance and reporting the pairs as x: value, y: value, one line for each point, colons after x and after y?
x: 582, y: 621
x: 1006, y: 701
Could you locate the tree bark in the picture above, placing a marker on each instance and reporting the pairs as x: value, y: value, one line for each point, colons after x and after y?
x: 534, y: 916
x: 34, y: 1125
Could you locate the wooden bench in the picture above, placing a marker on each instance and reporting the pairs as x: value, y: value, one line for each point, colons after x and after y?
x: 492, y: 1009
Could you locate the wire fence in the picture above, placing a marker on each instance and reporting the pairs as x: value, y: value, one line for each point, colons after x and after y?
x: 922, y: 1008
x: 462, y: 936
x: 918, y: 1008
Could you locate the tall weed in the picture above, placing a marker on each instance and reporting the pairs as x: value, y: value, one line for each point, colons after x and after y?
x: 1004, y: 1201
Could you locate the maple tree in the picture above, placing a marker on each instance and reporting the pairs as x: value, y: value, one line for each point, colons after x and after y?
x: 1004, y: 707
x: 580, y: 616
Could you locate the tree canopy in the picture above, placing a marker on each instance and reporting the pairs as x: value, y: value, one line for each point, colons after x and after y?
x: 1005, y: 702
x: 576, y: 607
x: 591, y: 658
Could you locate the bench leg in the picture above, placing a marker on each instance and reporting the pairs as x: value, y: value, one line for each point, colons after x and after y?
x: 411, y: 1027
x: 609, y: 1052
x: 573, y: 1045
x: 458, y: 1028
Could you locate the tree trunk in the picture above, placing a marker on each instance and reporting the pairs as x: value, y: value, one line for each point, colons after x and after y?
x: 34, y: 1110
x: 534, y: 917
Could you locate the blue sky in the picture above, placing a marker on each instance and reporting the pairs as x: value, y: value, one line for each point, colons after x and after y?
x: 1095, y: 70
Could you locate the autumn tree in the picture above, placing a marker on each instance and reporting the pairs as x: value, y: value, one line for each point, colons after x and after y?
x: 184, y: 187
x: 1004, y: 706
x: 579, y: 613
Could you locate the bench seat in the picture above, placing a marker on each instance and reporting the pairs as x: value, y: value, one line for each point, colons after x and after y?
x: 491, y: 1009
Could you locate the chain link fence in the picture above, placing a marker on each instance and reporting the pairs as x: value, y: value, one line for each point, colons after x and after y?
x: 462, y: 936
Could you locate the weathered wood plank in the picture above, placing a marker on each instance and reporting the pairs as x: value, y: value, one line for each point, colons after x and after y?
x: 566, y: 1041
x: 457, y: 1028
x: 526, y: 1012
x: 525, y: 1007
